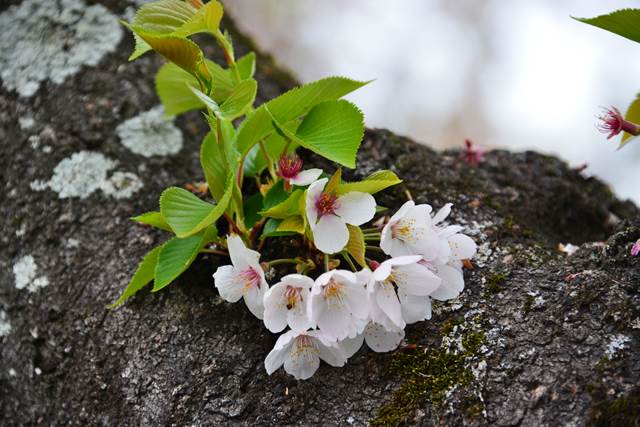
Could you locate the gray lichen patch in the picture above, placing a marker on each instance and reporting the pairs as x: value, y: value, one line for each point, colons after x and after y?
x: 51, y: 40
x: 86, y: 172
x: 616, y: 344
x: 26, y: 275
x: 5, y: 326
x: 150, y: 134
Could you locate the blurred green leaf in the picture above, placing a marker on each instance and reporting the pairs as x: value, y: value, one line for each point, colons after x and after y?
x: 624, y: 22
x: 356, y: 246
x: 187, y: 214
x: 632, y: 115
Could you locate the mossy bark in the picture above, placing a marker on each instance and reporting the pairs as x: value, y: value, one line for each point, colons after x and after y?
x: 526, y: 343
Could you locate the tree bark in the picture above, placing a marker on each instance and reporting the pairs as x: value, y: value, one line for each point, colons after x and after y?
x: 539, y: 337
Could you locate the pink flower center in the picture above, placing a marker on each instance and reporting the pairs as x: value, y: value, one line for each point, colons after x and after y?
x: 304, y: 342
x: 611, y: 122
x: 289, y: 166
x: 251, y: 278
x: 292, y: 296
x: 326, y: 204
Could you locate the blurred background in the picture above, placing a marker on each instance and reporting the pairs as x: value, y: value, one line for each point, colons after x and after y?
x: 507, y: 74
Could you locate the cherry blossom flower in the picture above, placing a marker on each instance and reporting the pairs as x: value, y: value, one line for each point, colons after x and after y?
x: 412, y: 230
x: 459, y: 246
x: 290, y: 170
x: 409, y: 231
x: 377, y: 337
x: 300, y: 353
x: 612, y: 122
x: 635, y: 249
x: 244, y: 279
x: 338, y: 304
x: 399, y: 292
x: 329, y: 214
x: 473, y: 154
x: 286, y: 304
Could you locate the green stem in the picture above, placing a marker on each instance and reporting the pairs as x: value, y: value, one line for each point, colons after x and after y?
x: 326, y: 262
x: 214, y: 251
x: 269, y: 160
x: 371, y: 230
x: 372, y: 238
x: 284, y: 261
x: 347, y: 258
x: 374, y: 248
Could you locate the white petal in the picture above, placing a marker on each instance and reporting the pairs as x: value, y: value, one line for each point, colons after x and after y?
x: 275, y: 311
x: 462, y: 246
x: 400, y: 213
x: 420, y: 215
x: 363, y: 276
x: 452, y: 283
x: 356, y: 207
x: 334, y: 322
x: 442, y: 214
x: 241, y: 257
x: 416, y: 279
x: 298, y: 319
x: 313, y: 192
x: 275, y: 359
x: 383, y: 271
x: 253, y: 298
x: 403, y: 260
x: 388, y: 302
x: 301, y: 362
x: 331, y: 354
x: 330, y: 234
x: 306, y: 177
x: 276, y: 356
x: 449, y: 231
x: 356, y: 296
x: 386, y: 239
x: 228, y: 284
x: 382, y: 340
x: 399, y: 248
x: 350, y: 346
x: 414, y: 308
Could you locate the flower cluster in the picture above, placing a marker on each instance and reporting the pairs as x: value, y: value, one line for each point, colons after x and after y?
x: 330, y: 318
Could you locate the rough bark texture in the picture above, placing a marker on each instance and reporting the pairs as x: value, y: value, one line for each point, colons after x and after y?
x: 538, y: 337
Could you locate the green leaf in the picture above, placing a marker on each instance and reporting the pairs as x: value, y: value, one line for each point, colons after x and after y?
x: 632, y: 115
x: 355, y: 246
x: 624, y: 22
x: 239, y: 101
x: 215, y: 166
x: 172, y: 86
x: 255, y: 162
x: 177, y: 255
x: 182, y: 52
x: 287, y: 208
x: 252, y: 206
x: 290, y: 106
x: 186, y: 213
x: 332, y: 129
x: 293, y: 223
x: 375, y: 182
x: 143, y: 275
x: 206, y: 19
x: 275, y: 195
x: 271, y: 229
x: 247, y: 66
x: 334, y: 181
x: 163, y: 16
x: 154, y: 219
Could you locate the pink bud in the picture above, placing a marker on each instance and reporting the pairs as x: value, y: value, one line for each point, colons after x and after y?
x: 635, y: 249
x: 473, y: 154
